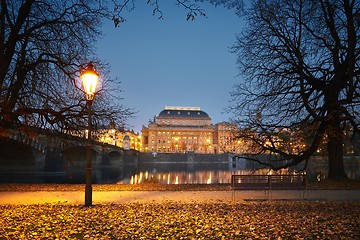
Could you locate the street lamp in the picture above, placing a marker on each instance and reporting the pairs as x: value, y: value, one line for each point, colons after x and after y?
x: 89, y: 79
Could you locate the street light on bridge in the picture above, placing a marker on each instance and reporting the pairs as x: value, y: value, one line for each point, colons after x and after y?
x: 89, y: 79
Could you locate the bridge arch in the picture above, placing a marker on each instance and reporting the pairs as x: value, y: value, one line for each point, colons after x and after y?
x: 76, y: 156
x: 113, y: 157
x: 20, y: 155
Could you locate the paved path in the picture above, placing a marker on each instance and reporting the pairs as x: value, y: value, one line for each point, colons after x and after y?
x: 77, y: 197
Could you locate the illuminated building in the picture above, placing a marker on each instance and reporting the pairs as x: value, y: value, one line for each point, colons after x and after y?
x: 176, y: 130
x: 120, y: 138
x: 113, y: 136
x: 187, y: 129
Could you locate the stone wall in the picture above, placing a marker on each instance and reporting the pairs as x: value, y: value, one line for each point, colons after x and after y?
x: 183, y: 157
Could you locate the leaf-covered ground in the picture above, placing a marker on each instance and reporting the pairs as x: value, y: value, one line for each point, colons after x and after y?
x: 248, y: 220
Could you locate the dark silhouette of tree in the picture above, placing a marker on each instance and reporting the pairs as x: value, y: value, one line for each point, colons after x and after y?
x: 301, y: 65
x: 192, y: 7
x: 44, y: 46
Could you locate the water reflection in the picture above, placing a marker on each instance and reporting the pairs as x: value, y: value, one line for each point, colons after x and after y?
x: 220, y: 172
x: 317, y: 169
x: 195, y: 176
x: 188, y: 172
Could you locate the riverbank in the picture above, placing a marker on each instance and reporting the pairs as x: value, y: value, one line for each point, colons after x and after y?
x: 158, y: 193
x: 165, y: 197
x: 322, y: 185
x: 154, y: 211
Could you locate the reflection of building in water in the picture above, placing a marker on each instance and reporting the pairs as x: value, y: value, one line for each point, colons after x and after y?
x: 198, y: 177
x: 188, y: 129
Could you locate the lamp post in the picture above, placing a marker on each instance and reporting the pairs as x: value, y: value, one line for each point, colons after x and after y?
x: 89, y: 81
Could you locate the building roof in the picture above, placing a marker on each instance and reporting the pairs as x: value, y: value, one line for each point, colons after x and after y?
x: 183, y: 112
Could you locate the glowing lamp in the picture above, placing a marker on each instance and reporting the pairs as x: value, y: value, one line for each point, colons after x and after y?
x: 89, y: 80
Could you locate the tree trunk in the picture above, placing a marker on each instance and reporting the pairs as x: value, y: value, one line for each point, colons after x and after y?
x: 335, y: 152
x: 336, y: 160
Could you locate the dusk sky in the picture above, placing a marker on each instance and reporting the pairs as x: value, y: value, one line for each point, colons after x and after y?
x: 171, y: 61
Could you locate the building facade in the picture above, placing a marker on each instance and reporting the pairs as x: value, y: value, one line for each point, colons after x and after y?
x: 187, y: 129
x: 120, y: 138
x: 114, y: 136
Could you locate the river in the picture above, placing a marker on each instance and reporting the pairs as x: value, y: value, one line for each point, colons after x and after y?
x: 188, y: 172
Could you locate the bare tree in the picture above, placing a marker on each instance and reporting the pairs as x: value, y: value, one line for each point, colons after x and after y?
x: 44, y: 45
x: 301, y: 65
x: 192, y: 7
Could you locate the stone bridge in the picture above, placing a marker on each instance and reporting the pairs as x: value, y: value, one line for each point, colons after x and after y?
x: 51, y: 152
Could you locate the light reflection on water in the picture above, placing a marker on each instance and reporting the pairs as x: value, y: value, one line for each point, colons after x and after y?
x: 220, y: 172
x: 194, y: 177
x: 170, y: 172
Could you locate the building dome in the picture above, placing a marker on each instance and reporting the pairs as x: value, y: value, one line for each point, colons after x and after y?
x: 183, y: 112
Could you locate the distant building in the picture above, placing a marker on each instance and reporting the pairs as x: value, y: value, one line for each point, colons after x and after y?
x: 114, y: 136
x: 175, y: 130
x: 188, y: 129
x: 119, y: 137
x: 126, y: 144
x: 224, y: 138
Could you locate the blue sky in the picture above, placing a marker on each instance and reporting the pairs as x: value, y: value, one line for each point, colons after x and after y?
x: 173, y: 62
